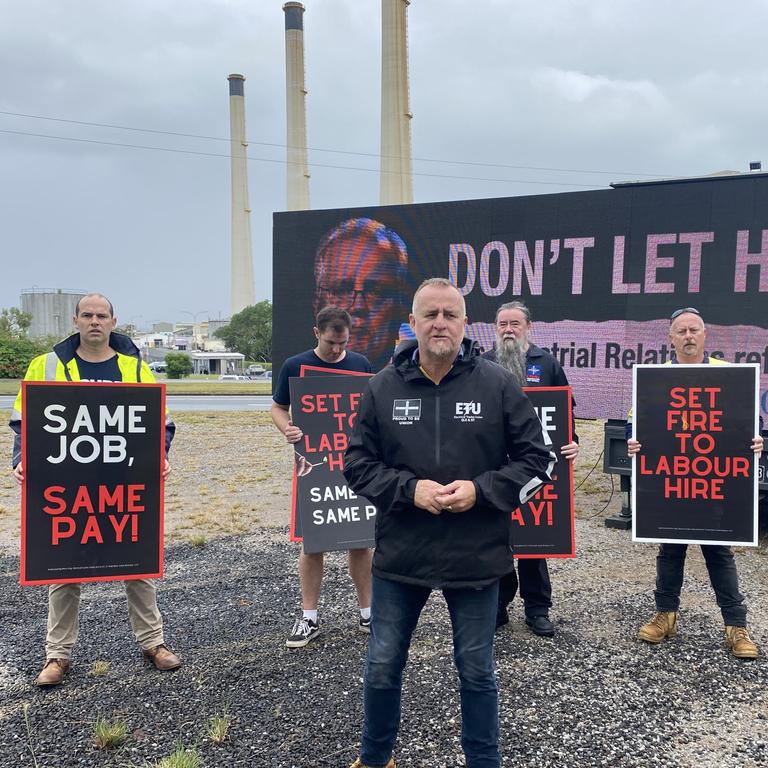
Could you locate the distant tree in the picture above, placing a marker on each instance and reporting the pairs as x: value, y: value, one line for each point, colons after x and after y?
x: 16, y: 350
x: 250, y: 332
x: 178, y: 365
x: 14, y: 323
x: 17, y: 354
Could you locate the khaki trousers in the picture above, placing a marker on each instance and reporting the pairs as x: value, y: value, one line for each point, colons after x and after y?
x: 64, y: 611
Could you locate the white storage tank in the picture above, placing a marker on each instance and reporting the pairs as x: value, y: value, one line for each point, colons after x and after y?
x: 51, y: 310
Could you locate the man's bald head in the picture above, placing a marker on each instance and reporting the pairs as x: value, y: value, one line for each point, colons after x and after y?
x: 95, y: 296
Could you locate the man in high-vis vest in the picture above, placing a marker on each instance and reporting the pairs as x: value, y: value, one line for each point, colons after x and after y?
x: 687, y: 335
x: 94, y: 353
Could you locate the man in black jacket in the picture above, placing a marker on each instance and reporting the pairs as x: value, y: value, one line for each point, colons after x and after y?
x: 531, y: 366
x: 445, y: 444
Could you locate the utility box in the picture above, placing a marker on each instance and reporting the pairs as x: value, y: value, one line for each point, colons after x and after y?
x: 615, y: 459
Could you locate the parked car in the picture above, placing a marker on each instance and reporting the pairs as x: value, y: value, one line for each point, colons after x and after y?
x: 255, y: 370
x: 158, y: 366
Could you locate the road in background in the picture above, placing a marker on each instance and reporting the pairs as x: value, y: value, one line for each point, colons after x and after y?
x: 195, y: 402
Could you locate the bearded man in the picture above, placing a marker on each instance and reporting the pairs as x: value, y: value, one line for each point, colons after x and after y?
x: 530, y: 366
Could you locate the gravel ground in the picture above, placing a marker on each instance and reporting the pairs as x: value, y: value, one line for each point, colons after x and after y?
x: 592, y: 696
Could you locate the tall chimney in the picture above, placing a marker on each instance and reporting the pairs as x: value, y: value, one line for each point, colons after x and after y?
x: 243, y: 293
x: 295, y: 100
x: 396, y: 178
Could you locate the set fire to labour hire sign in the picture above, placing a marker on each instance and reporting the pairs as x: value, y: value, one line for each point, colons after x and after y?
x: 92, y: 496
x: 326, y: 514
x: 695, y: 478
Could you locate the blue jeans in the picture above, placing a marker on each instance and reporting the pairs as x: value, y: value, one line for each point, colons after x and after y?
x: 670, y: 566
x: 395, y: 611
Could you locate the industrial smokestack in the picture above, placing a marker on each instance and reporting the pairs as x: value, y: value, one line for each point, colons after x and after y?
x: 243, y: 293
x: 396, y: 178
x: 295, y: 100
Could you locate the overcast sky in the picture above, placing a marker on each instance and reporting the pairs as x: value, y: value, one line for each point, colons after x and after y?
x: 503, y: 93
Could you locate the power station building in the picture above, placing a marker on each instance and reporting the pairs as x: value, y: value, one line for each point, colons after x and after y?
x: 51, y: 310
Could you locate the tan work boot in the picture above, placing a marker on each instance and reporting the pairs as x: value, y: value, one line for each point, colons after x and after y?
x: 741, y: 644
x: 358, y: 764
x: 663, y: 624
x: 53, y: 672
x: 163, y: 658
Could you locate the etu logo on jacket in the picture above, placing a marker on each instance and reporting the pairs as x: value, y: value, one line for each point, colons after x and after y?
x: 468, y: 411
x: 406, y: 411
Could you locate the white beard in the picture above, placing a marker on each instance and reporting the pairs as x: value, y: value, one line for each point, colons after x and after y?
x: 510, y: 354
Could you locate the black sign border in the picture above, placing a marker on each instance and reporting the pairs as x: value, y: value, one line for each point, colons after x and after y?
x: 755, y: 471
x: 316, y: 370
x: 560, y: 458
x: 25, y: 582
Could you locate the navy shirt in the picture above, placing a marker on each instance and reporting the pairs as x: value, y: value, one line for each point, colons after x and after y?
x: 107, y: 370
x: 352, y: 361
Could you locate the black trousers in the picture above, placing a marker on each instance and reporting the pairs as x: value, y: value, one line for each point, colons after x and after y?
x: 535, y: 587
x: 670, y: 566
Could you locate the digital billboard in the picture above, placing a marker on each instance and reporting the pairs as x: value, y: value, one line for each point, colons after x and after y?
x: 601, y: 272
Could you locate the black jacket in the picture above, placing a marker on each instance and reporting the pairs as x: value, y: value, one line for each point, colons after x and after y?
x: 475, y: 425
x: 541, y: 370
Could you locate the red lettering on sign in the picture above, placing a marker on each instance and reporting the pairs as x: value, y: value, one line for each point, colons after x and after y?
x: 49, y: 494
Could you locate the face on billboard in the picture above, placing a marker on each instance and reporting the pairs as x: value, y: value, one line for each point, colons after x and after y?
x: 687, y: 335
x: 362, y: 274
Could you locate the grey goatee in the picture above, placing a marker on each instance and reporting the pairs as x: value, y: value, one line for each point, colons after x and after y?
x: 511, y: 355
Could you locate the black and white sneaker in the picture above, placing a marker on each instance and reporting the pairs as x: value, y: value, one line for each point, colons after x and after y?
x: 365, y: 625
x: 303, y: 631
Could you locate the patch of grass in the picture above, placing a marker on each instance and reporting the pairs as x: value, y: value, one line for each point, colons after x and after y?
x: 180, y: 758
x: 183, y: 386
x: 9, y: 386
x: 99, y: 668
x: 217, y: 727
x: 202, y: 387
x: 108, y: 734
x: 226, y: 419
x: 198, y: 540
x: 29, y: 734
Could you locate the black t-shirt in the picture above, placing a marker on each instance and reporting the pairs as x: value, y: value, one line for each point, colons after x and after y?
x: 352, y: 361
x: 107, y: 370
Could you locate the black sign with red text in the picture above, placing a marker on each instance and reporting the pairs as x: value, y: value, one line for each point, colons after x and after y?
x: 92, y: 499
x: 695, y: 478
x: 544, y: 525
x: 326, y: 514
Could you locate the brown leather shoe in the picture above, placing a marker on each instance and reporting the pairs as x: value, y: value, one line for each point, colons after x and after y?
x: 163, y: 658
x: 663, y: 624
x: 741, y: 644
x: 53, y: 672
x: 358, y: 764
